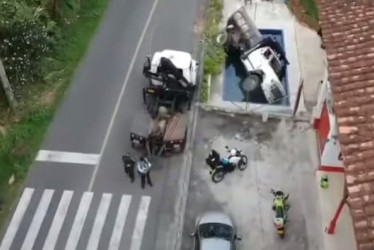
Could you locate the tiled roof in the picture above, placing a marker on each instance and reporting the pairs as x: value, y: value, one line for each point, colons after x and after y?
x: 348, y: 35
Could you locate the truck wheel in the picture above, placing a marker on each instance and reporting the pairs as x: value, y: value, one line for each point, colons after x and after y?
x: 221, y: 38
x: 185, y: 142
x: 146, y: 68
x: 252, y: 82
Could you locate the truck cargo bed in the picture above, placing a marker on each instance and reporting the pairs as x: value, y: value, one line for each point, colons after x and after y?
x: 176, y: 128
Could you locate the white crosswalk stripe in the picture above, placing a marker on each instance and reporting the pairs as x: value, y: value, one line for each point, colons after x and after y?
x: 54, y: 231
x: 141, y: 219
x: 97, y: 228
x: 17, y: 218
x: 120, y: 222
x: 80, y: 218
x: 48, y: 221
x: 38, y: 219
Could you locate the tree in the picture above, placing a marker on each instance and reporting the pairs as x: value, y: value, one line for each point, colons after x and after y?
x: 24, y: 42
x: 7, y: 88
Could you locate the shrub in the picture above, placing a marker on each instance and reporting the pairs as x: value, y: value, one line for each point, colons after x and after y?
x: 214, y: 54
x: 23, y: 45
x: 24, y: 41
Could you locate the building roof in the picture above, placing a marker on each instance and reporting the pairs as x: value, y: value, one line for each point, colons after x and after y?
x: 348, y: 35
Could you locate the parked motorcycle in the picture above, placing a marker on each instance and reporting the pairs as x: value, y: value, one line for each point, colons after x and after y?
x: 281, y: 207
x: 219, y: 167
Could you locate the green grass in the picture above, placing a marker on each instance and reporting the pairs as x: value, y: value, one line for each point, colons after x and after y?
x: 311, y: 9
x: 26, y: 130
x: 214, y: 55
x: 204, y: 91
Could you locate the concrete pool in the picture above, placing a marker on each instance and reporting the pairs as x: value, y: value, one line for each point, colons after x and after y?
x: 235, y: 73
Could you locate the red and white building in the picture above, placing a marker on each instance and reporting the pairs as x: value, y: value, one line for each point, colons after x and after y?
x: 325, y: 123
x: 344, y: 116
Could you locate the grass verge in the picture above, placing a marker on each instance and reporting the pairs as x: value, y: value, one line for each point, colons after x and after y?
x: 311, y: 9
x: 214, y: 54
x: 22, y: 134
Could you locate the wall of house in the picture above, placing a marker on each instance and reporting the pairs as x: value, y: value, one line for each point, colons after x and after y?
x: 327, y: 129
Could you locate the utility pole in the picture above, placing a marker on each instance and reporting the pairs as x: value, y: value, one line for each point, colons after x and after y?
x: 7, y: 88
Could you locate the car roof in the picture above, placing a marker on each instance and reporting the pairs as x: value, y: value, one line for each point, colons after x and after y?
x: 215, y: 217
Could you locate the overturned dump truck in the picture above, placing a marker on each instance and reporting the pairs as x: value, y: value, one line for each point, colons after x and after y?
x: 164, y: 135
x: 263, y: 58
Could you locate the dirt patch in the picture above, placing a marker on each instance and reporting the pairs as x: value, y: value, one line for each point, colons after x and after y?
x: 21, y: 151
x: 49, y: 96
x: 2, y: 131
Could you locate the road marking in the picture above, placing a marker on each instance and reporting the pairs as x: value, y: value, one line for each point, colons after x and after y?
x: 37, y: 220
x: 121, y: 93
x: 79, y: 220
x: 58, y: 220
x: 17, y: 218
x: 123, y: 208
x: 141, y: 219
x: 97, y: 228
x: 67, y: 157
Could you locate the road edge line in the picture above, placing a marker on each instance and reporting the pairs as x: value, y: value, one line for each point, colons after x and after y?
x: 107, y: 134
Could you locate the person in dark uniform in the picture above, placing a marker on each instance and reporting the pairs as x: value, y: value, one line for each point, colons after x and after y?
x: 129, y: 166
x: 143, y: 168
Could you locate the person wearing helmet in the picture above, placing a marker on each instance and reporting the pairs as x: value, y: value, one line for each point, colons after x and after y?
x: 129, y: 165
x: 143, y: 168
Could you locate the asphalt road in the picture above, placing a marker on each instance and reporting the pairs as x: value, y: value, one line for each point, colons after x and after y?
x: 95, y: 118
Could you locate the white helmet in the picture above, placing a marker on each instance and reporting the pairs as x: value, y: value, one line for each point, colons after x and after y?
x: 233, y: 152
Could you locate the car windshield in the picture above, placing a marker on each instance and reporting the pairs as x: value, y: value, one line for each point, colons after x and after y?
x: 216, y: 230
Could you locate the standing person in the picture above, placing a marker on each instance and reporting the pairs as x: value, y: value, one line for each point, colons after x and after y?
x: 144, y: 167
x: 129, y: 165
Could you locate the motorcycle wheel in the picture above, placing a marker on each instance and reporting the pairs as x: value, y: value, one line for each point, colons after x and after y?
x: 218, y: 176
x: 243, y: 163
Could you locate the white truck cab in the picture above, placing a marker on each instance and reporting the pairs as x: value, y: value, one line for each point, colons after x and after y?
x: 263, y: 67
x: 182, y: 61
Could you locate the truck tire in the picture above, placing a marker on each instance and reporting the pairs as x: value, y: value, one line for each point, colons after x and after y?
x: 146, y: 68
x: 185, y: 142
x: 252, y: 82
x: 221, y: 38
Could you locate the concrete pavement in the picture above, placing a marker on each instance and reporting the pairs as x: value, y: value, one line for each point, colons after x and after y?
x: 343, y: 236
x: 95, y: 119
x: 278, y: 157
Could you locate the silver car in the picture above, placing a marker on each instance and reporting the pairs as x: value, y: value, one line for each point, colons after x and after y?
x: 214, y: 231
